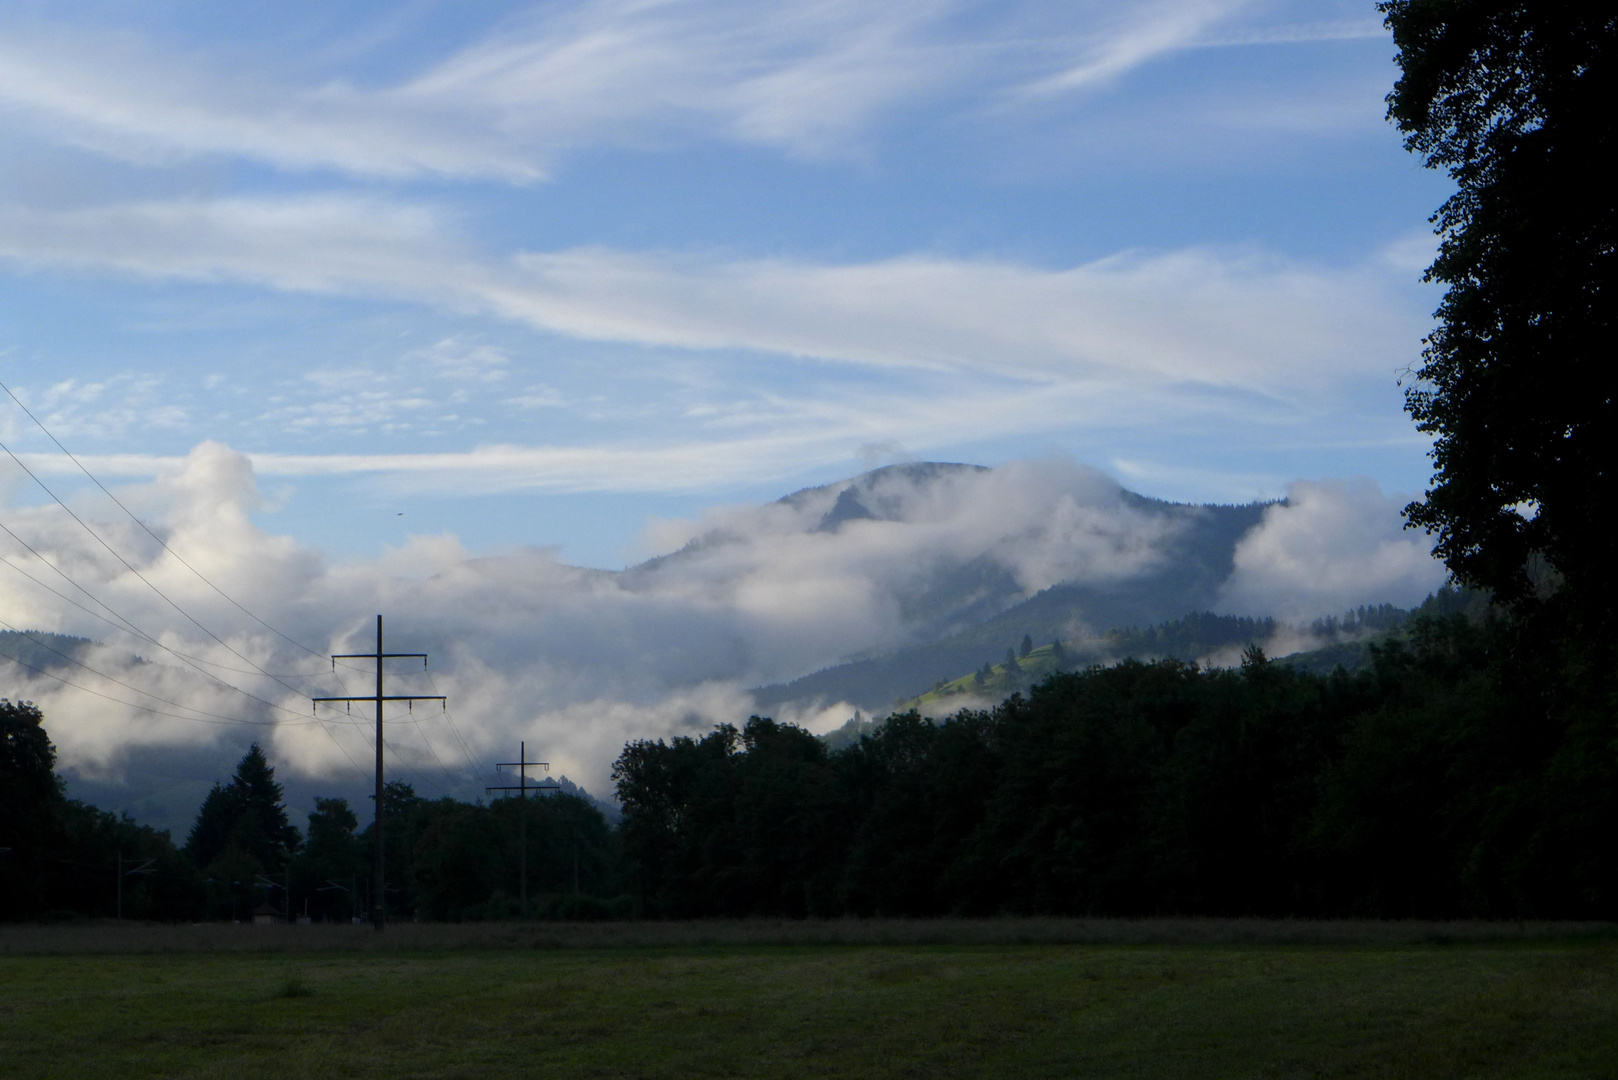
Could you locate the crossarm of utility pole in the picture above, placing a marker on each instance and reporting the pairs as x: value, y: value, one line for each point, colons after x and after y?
x: 372, y: 656
x: 386, y: 697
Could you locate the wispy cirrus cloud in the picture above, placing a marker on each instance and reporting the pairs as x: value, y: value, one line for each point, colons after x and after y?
x: 1136, y: 35
x: 804, y: 77
x: 811, y: 79
x: 1202, y: 316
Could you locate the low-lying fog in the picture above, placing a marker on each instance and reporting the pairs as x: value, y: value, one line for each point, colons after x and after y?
x: 576, y: 661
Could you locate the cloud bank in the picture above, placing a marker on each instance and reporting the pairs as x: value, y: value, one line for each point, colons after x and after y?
x: 578, y: 661
x: 1328, y: 547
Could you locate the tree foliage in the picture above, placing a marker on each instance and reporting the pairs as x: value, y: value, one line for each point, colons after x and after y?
x: 1514, y: 99
x: 61, y: 857
x: 1441, y: 782
x: 245, y: 821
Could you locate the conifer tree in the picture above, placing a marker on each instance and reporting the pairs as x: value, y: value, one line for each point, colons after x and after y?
x: 248, y: 815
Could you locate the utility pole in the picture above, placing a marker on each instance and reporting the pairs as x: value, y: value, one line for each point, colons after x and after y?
x: 285, y: 885
x: 377, y: 917
x: 521, y: 764
x: 143, y: 868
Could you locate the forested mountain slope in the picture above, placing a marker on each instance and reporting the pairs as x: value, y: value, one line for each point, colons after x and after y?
x: 1197, y: 562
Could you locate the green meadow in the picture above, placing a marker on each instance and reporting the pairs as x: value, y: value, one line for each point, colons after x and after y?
x: 908, y: 1000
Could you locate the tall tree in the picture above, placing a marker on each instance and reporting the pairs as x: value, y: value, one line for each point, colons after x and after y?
x: 28, y: 784
x: 327, y: 870
x: 248, y: 815
x: 30, y: 798
x: 1514, y: 98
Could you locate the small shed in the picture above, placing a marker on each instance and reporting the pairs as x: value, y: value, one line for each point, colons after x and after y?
x: 264, y: 914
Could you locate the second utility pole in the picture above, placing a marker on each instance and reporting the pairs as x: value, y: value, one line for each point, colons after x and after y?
x: 377, y: 906
x: 522, y: 763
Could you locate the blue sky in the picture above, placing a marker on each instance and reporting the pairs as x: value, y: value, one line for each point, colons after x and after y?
x: 533, y: 273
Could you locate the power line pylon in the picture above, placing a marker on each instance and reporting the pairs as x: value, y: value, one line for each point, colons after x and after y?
x: 521, y: 765
x: 377, y: 905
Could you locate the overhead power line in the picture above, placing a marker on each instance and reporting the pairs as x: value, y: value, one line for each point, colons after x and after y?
x: 449, y: 718
x: 135, y: 633
x: 149, y: 532
x: 235, y: 722
x: 138, y: 632
x: 128, y: 626
x: 143, y: 578
x: 128, y: 686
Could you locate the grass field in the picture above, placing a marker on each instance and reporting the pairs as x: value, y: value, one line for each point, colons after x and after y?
x: 1205, y: 1000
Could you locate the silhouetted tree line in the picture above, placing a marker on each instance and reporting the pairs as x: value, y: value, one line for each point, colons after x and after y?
x: 1468, y: 772
x: 1470, y: 769
x: 61, y: 855
x: 60, y: 858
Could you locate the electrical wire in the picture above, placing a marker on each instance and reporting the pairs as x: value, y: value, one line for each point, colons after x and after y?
x: 128, y: 686
x: 140, y: 636
x: 138, y: 632
x: 449, y: 718
x: 144, y: 580
x: 135, y: 630
x: 41, y: 425
x: 453, y: 779
x: 156, y: 712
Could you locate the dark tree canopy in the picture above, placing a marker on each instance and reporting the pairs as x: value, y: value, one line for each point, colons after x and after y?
x: 27, y: 757
x: 1436, y: 783
x: 1515, y: 99
x: 60, y: 856
x: 29, y: 790
x: 246, y: 818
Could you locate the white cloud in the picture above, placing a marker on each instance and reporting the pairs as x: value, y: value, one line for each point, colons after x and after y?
x: 98, y: 408
x: 1296, y: 33
x: 809, y: 78
x: 754, y: 353
x: 575, y: 660
x: 311, y: 244
x: 130, y: 99
x: 578, y: 661
x: 805, y: 77
x: 1141, y: 32
x: 1333, y: 545
x: 1195, y: 316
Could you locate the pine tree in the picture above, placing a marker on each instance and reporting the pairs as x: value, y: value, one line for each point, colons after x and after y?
x: 210, y: 833
x: 248, y: 815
